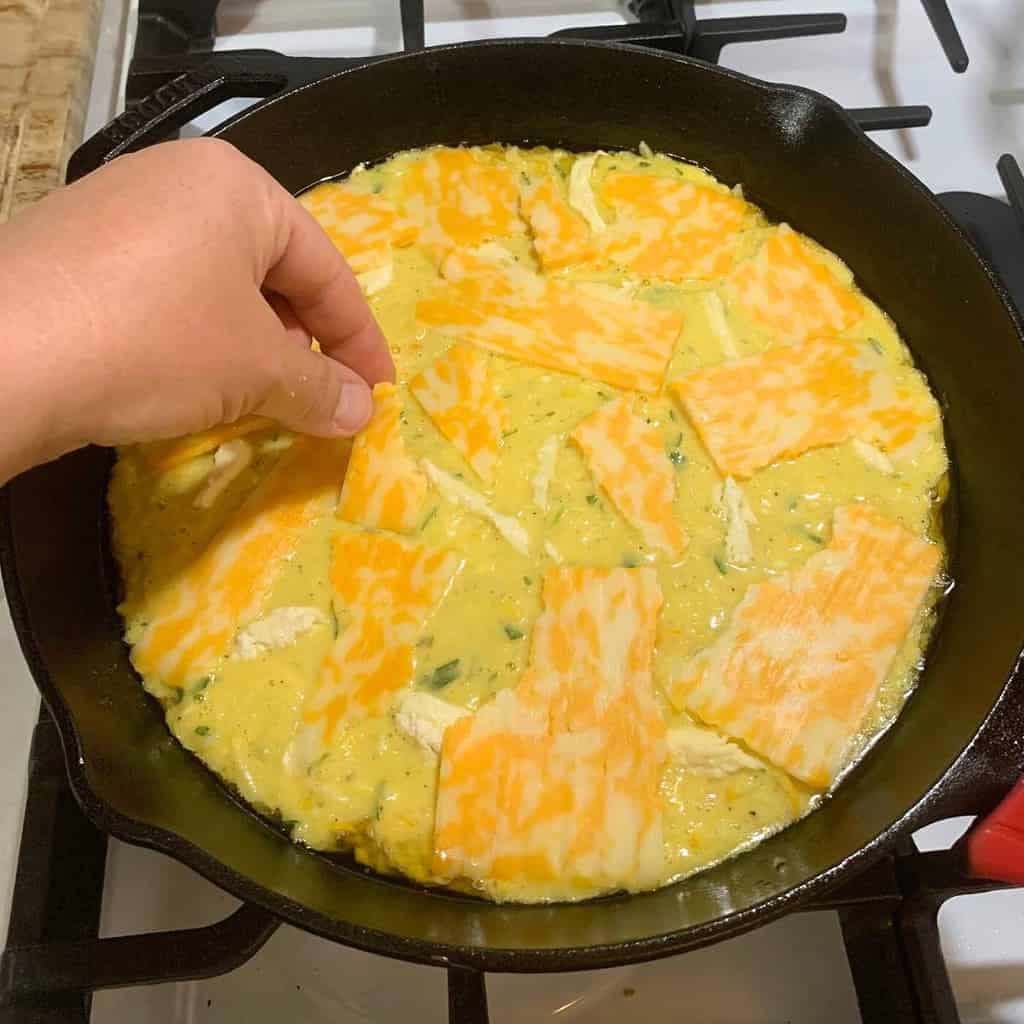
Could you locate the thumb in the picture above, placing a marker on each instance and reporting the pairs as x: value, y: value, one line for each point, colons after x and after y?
x: 314, y: 394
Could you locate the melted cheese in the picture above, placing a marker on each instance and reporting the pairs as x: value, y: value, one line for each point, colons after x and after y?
x: 460, y: 199
x: 362, y: 225
x: 627, y: 457
x: 753, y: 412
x: 457, y: 394
x: 385, y: 589
x: 383, y: 488
x: 804, y: 654
x: 670, y: 228
x: 576, y: 328
x: 554, y: 784
x: 790, y: 289
x: 223, y: 590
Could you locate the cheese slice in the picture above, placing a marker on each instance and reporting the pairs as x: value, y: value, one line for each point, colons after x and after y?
x: 581, y: 191
x: 791, y: 290
x: 627, y: 457
x: 803, y: 656
x: 706, y: 752
x: 385, y: 590
x: 458, y: 493
x: 755, y: 411
x: 561, y: 235
x: 161, y: 456
x: 459, y: 200
x: 671, y: 228
x: 424, y: 718
x: 223, y: 590
x: 457, y: 394
x: 383, y: 489
x: 364, y: 226
x: 553, y: 785
x: 575, y: 328
x: 731, y: 504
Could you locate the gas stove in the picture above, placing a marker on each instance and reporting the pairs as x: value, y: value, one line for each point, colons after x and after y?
x: 909, y: 942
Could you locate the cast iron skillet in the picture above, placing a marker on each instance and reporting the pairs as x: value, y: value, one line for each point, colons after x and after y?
x: 955, y: 749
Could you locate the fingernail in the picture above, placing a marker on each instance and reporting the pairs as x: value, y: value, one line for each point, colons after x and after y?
x: 354, y: 407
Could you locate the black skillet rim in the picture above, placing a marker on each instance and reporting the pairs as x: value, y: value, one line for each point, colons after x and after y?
x: 501, y: 959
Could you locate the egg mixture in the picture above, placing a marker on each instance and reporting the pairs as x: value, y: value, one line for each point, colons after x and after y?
x: 636, y: 556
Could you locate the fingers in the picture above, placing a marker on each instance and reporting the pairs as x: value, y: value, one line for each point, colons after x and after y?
x: 323, y: 293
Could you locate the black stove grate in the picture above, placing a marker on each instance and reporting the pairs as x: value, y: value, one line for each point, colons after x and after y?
x: 54, y: 959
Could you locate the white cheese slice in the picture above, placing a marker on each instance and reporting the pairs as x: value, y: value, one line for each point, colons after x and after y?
x: 581, y: 192
x: 229, y: 460
x: 278, y: 628
x: 705, y: 752
x: 459, y: 493
x: 874, y: 457
x: 547, y: 457
x: 714, y: 310
x: 424, y: 718
x: 733, y: 507
x: 376, y: 280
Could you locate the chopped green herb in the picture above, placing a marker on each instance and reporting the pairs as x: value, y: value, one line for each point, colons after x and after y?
x: 513, y: 632
x: 720, y: 564
x: 528, y: 581
x: 813, y: 536
x: 425, y: 641
x: 443, y: 675
x: 202, y: 730
x: 559, y: 514
x: 602, y: 394
x: 509, y: 433
x: 316, y: 764
x: 201, y: 685
x: 430, y: 515
x: 630, y: 561
x: 672, y: 414
x: 676, y: 457
x: 876, y: 345
x: 378, y: 188
x: 591, y: 499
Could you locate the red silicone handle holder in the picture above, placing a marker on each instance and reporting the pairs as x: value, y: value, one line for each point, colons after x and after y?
x: 995, y: 846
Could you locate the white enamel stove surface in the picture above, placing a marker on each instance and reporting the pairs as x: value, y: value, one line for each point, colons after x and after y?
x: 794, y: 970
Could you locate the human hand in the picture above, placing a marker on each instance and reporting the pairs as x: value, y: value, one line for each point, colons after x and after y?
x: 172, y: 290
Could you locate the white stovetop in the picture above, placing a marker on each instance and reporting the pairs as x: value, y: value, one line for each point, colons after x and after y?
x: 794, y: 970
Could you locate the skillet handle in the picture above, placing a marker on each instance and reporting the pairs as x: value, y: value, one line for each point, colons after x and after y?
x: 219, y: 77
x: 987, y: 781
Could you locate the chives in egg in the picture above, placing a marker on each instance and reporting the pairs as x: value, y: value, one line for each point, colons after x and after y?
x: 443, y: 674
x: 591, y: 499
x: 513, y: 632
x: 720, y: 564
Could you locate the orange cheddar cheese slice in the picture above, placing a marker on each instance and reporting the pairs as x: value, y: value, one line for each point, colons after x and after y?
x: 385, y: 589
x: 792, y: 291
x: 457, y: 394
x: 670, y: 228
x: 755, y: 411
x: 222, y: 591
x: 560, y: 235
x: 582, y: 329
x: 628, y: 459
x: 554, y: 783
x: 804, y: 654
x: 362, y: 225
x: 383, y: 489
x: 161, y: 456
x: 459, y: 200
